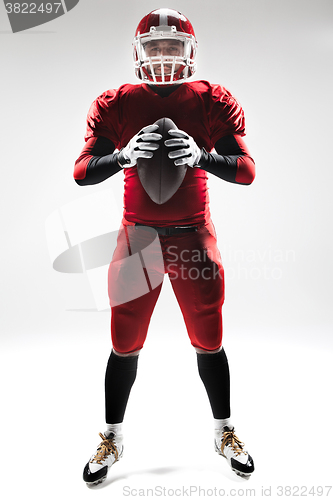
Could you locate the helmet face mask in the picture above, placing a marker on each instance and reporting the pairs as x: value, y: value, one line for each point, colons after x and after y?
x: 164, y: 53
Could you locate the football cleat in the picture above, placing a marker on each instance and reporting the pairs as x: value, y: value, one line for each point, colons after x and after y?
x: 108, y: 452
x: 229, y: 446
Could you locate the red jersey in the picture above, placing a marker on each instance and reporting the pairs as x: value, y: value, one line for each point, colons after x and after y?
x: 206, y: 112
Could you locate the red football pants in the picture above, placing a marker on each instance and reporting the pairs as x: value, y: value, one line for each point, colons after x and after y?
x: 193, y: 264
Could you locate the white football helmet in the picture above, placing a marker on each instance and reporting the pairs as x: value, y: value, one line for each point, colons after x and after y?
x: 164, y: 48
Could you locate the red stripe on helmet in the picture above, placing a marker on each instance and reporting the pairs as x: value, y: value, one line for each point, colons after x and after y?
x: 165, y: 17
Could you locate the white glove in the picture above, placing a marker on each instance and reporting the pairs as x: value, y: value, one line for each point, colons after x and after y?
x: 189, y: 152
x: 142, y: 145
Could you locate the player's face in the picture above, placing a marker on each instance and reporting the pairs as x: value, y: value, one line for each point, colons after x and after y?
x: 158, y: 48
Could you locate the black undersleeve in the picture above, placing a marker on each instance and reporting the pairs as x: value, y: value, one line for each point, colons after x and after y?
x: 214, y: 373
x: 103, y: 163
x: 223, y: 164
x: 119, y: 378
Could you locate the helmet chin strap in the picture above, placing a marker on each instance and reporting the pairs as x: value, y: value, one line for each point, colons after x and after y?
x: 180, y: 70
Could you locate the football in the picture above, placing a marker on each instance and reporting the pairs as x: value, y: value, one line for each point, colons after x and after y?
x: 159, y: 176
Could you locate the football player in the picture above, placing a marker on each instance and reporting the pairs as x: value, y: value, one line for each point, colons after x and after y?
x: 120, y: 130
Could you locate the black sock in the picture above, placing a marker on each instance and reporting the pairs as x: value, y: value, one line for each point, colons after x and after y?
x: 119, y: 378
x: 214, y: 372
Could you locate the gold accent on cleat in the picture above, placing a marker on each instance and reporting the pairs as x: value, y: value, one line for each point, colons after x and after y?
x: 230, y: 438
x: 105, y: 449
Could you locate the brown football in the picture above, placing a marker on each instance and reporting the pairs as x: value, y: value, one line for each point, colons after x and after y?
x: 159, y: 176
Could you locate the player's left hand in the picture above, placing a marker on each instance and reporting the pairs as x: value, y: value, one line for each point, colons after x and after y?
x: 188, y: 153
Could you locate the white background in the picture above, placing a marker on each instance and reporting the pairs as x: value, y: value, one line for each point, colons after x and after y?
x: 275, y: 238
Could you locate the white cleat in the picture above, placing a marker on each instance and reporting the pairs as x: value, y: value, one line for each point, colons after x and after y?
x: 230, y: 447
x: 108, y: 452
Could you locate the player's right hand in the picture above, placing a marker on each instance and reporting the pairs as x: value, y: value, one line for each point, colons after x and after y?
x: 142, y: 145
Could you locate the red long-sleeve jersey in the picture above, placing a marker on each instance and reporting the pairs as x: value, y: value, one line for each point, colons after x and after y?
x: 207, y: 112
